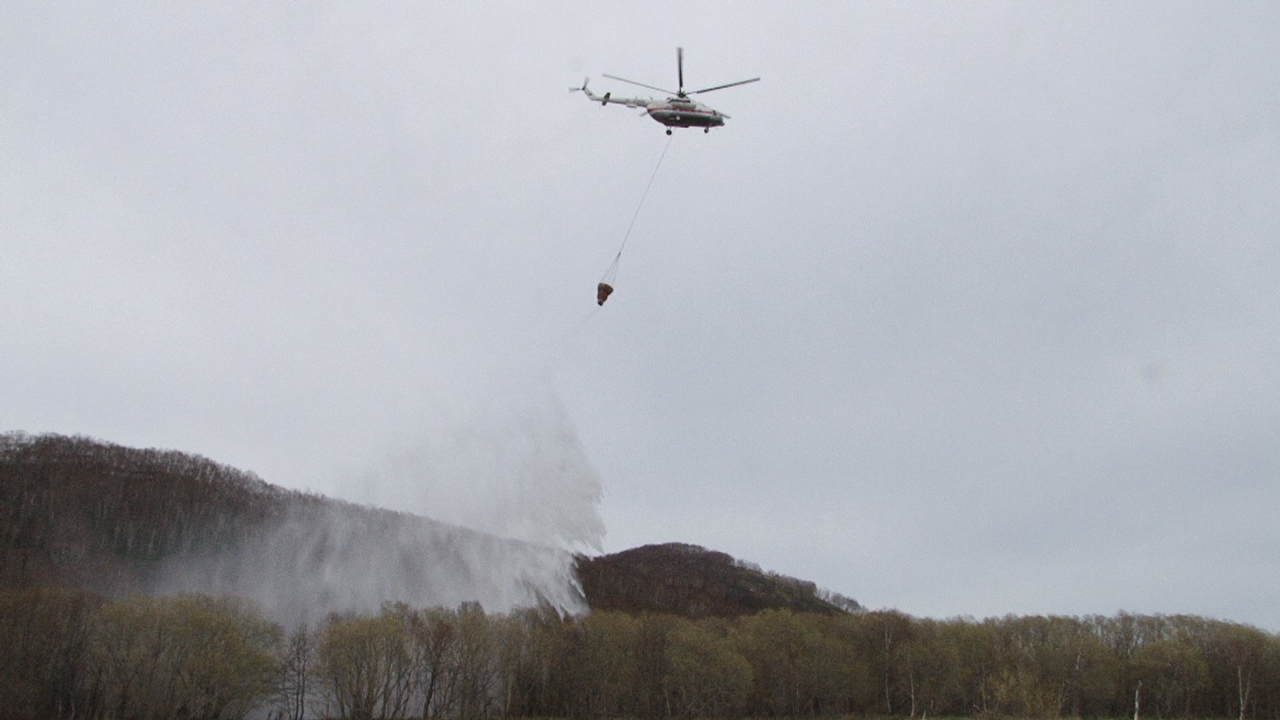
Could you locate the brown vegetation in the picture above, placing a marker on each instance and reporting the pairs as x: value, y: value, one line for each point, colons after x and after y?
x: 69, y: 654
x: 695, y: 582
x: 80, y: 513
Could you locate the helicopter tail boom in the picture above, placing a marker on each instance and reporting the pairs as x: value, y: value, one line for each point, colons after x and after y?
x: 608, y: 98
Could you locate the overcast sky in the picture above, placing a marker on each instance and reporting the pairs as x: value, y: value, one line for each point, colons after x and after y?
x: 970, y: 309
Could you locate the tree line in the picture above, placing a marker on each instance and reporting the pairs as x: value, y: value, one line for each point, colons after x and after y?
x: 69, y: 653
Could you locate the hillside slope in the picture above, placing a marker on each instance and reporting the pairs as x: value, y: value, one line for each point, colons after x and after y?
x: 695, y: 582
x: 78, y: 512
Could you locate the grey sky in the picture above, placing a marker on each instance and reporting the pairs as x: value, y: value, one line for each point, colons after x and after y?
x: 969, y: 309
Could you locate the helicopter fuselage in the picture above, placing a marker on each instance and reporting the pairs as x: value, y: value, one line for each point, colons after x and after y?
x: 678, y: 112
x: 672, y: 112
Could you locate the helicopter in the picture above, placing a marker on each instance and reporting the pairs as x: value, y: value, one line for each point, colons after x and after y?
x: 679, y: 110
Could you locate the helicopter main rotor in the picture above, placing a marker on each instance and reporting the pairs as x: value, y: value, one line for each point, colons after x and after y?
x: 680, y: 78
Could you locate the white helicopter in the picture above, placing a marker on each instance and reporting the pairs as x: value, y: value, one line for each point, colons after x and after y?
x: 676, y: 111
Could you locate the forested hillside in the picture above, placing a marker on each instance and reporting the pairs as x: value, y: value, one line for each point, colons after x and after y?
x: 114, y: 520
x: 695, y: 582
x: 82, y: 513
x: 77, y: 512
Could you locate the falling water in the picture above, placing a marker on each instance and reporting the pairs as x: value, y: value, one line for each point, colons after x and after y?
x: 490, y: 509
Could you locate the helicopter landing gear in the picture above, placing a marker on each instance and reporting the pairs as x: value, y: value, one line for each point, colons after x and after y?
x: 668, y: 131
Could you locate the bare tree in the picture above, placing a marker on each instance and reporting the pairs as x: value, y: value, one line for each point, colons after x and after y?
x: 365, y: 666
x: 295, y: 685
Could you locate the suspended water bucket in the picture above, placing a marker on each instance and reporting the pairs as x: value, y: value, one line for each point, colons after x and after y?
x: 603, y: 291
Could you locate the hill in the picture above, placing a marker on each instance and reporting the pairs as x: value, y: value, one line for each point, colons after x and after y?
x: 695, y: 582
x: 79, y: 512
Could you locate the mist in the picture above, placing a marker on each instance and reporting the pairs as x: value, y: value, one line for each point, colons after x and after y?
x: 488, y: 505
x: 327, y: 557
x: 515, y: 468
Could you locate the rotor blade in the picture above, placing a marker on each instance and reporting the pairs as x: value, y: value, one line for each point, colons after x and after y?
x: 633, y: 82
x: 680, y: 68
x: 721, y: 87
